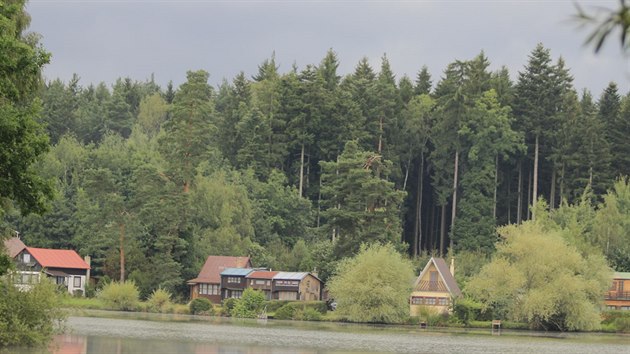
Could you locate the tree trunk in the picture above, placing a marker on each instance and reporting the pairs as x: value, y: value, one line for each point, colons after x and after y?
x: 535, y: 188
x: 301, y: 170
x: 562, y: 198
x: 432, y: 232
x: 529, y: 194
x: 319, y: 199
x: 380, y: 135
x: 406, y: 174
x: 509, y: 197
x: 121, y: 229
x: 454, y: 205
x: 496, y: 181
x: 552, y: 194
x: 519, y: 203
x: 442, y: 229
x: 417, y: 239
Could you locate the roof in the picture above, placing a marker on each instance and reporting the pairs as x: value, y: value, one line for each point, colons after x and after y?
x: 445, y: 274
x: 290, y: 275
x: 214, y: 265
x: 14, y: 245
x: 621, y: 275
x: 236, y: 272
x: 49, y: 258
x: 261, y: 274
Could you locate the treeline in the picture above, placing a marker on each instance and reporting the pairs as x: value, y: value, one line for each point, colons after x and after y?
x: 297, y: 169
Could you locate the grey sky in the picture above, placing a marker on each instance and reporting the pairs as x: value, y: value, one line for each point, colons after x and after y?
x: 104, y: 40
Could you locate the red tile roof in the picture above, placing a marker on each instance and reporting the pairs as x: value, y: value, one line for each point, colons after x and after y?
x: 211, y: 270
x: 261, y: 274
x: 14, y: 245
x: 48, y: 258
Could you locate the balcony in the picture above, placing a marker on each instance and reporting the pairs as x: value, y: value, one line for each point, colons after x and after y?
x: 431, y: 286
x: 618, y: 295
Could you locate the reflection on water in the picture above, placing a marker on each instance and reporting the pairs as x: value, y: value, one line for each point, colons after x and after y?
x: 124, y: 334
x: 80, y: 344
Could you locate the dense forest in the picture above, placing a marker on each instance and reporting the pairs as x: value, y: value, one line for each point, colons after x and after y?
x: 297, y: 169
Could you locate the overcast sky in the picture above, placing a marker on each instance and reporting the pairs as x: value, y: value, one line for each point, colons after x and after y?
x: 107, y: 39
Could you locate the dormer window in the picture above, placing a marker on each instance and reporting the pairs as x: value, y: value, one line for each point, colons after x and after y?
x: 26, y: 258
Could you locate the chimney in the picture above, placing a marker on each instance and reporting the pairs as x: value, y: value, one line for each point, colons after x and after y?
x: 314, y: 272
x: 453, y: 266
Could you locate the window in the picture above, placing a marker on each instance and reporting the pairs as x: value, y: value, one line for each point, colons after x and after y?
x: 77, y: 282
x: 260, y: 282
x: 60, y: 280
x: 287, y: 283
x: 26, y: 258
x: 209, y: 289
x: 430, y: 301
x: 233, y: 280
x: 442, y: 301
x: 416, y: 300
x: 625, y: 308
x: 237, y: 294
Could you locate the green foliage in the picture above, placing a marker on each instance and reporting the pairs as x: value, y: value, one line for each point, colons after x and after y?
x: 159, y: 301
x: 250, y: 305
x: 228, y: 305
x: 30, y: 317
x: 618, y: 321
x: 467, y: 309
x: 537, y: 277
x: 22, y: 138
x: 374, y: 286
x: 200, y: 305
x: 308, y: 314
x: 120, y: 296
x: 285, y: 312
x: 362, y: 206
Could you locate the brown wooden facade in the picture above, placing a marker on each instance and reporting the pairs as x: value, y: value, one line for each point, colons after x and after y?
x: 618, y: 296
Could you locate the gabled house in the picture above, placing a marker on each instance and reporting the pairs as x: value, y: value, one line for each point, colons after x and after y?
x: 618, y: 296
x: 14, y: 246
x: 208, y: 283
x: 296, y: 286
x: 65, y: 267
x: 435, y: 288
x: 261, y: 280
x: 233, y: 282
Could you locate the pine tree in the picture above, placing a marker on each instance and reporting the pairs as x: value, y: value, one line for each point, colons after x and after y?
x: 362, y: 206
x: 423, y: 82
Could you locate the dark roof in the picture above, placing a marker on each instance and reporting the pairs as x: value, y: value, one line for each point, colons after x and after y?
x: 214, y: 265
x: 14, y: 245
x: 49, y: 258
x: 445, y: 273
x: 261, y: 274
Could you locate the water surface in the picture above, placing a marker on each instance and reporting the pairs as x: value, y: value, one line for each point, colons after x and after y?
x: 126, y: 333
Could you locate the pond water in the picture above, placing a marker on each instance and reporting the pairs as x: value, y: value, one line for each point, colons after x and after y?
x: 126, y: 333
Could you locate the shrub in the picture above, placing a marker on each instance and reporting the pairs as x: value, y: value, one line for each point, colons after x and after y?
x: 159, y: 301
x: 120, y: 296
x: 228, y: 305
x: 250, y: 305
x: 285, y: 312
x: 308, y: 314
x: 466, y: 310
x: 201, y: 305
x: 31, y: 317
x: 616, y: 321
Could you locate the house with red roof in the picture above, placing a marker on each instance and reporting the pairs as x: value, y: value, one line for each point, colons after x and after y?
x: 65, y: 267
x: 14, y: 246
x: 261, y: 280
x: 435, y: 288
x: 208, y: 283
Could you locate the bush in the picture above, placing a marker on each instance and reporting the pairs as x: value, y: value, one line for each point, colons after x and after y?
x: 228, y: 305
x: 308, y: 314
x: 120, y: 296
x: 374, y: 286
x: 250, y: 305
x: 201, y: 305
x: 616, y: 321
x: 285, y: 312
x: 159, y: 301
x: 467, y: 310
x: 31, y: 317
